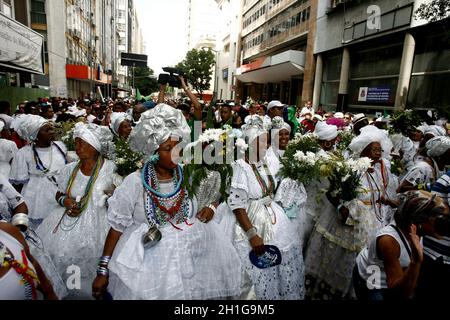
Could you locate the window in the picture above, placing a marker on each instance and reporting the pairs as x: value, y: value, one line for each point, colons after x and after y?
x: 38, y: 12
x: 225, y: 74
x: 6, y: 7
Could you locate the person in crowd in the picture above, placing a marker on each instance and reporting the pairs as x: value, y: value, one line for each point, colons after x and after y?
x: 47, y: 112
x: 275, y: 109
x: 433, y: 280
x: 226, y: 116
x: 138, y: 109
x: 307, y: 123
x: 396, y: 254
x: 260, y: 221
x: 336, y: 238
x: 238, y: 109
x: 359, y: 121
x: 120, y: 125
x: 74, y: 233
x: 427, y: 170
x: 8, y: 149
x: 35, y: 166
x: 21, y: 276
x: 156, y: 247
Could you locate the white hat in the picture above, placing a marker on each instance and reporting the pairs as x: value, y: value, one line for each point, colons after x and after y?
x: 156, y: 126
x: 339, y: 115
x: 370, y: 134
x: 359, y: 117
x: 275, y: 104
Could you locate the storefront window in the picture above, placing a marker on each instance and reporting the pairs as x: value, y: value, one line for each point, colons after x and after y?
x: 429, y: 91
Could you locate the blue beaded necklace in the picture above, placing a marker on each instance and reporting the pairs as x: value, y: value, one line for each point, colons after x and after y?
x: 154, y: 213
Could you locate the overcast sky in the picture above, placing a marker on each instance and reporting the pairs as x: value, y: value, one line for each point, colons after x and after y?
x: 163, y: 24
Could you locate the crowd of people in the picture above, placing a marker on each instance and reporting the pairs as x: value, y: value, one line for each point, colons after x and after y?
x: 146, y: 223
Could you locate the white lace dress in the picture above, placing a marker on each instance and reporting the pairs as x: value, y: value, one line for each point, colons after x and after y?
x: 195, y: 263
x: 76, y: 246
x: 282, y: 282
x: 39, y: 189
x: 291, y: 196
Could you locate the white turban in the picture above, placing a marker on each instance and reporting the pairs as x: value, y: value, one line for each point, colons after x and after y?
x: 28, y: 126
x: 254, y: 127
x: 438, y: 146
x: 2, y: 125
x: 306, y: 111
x: 116, y: 119
x: 156, y: 126
x: 279, y: 124
x: 326, y: 132
x: 99, y: 137
x: 370, y: 134
x: 436, y: 131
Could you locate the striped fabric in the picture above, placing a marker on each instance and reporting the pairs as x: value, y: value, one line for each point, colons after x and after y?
x: 442, y: 187
x: 435, y: 248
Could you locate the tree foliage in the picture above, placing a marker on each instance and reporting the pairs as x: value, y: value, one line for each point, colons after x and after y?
x: 434, y: 11
x: 197, y: 65
x: 145, y: 81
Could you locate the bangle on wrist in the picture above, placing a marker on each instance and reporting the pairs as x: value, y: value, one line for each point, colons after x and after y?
x: 252, y: 232
x: 213, y: 208
x: 102, y: 271
x: 20, y: 220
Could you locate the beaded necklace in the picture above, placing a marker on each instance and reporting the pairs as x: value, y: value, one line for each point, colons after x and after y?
x: 29, y: 277
x: 267, y: 191
x: 376, y: 206
x: 39, y: 164
x: 84, y: 200
x: 165, y: 209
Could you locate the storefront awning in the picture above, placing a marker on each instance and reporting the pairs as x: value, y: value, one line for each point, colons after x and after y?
x: 281, y: 67
x: 21, y: 48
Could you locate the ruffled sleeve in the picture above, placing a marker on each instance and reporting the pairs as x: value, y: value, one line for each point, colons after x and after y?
x: 239, y: 188
x: 19, y: 167
x: 8, y: 150
x: 13, y: 197
x: 122, y: 204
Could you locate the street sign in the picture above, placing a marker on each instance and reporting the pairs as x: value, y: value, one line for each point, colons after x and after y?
x: 134, y: 60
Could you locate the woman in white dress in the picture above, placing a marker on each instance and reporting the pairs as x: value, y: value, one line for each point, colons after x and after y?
x: 8, y: 150
x: 290, y: 195
x: 157, y: 248
x: 73, y: 234
x: 344, y: 228
x: 260, y: 221
x: 35, y: 166
x: 427, y: 170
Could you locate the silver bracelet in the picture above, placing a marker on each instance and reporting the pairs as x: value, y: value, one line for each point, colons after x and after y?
x: 20, y: 219
x: 213, y: 208
x: 252, y: 232
x: 102, y: 271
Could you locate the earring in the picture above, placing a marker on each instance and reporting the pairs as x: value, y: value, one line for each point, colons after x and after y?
x: 154, y: 158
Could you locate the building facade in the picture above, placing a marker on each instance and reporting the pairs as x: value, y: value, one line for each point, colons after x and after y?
x: 277, y: 42
x: 84, y: 40
x: 228, y: 55
x: 376, y: 55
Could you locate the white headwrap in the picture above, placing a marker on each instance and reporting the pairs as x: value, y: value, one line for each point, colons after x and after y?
x: 28, y: 126
x: 279, y: 124
x: 2, y: 125
x: 438, y: 146
x: 326, y: 132
x: 436, y: 131
x: 254, y: 127
x: 156, y: 126
x: 98, y: 137
x: 116, y: 119
x: 370, y: 134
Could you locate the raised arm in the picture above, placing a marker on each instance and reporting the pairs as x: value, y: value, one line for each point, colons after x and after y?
x: 193, y: 98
